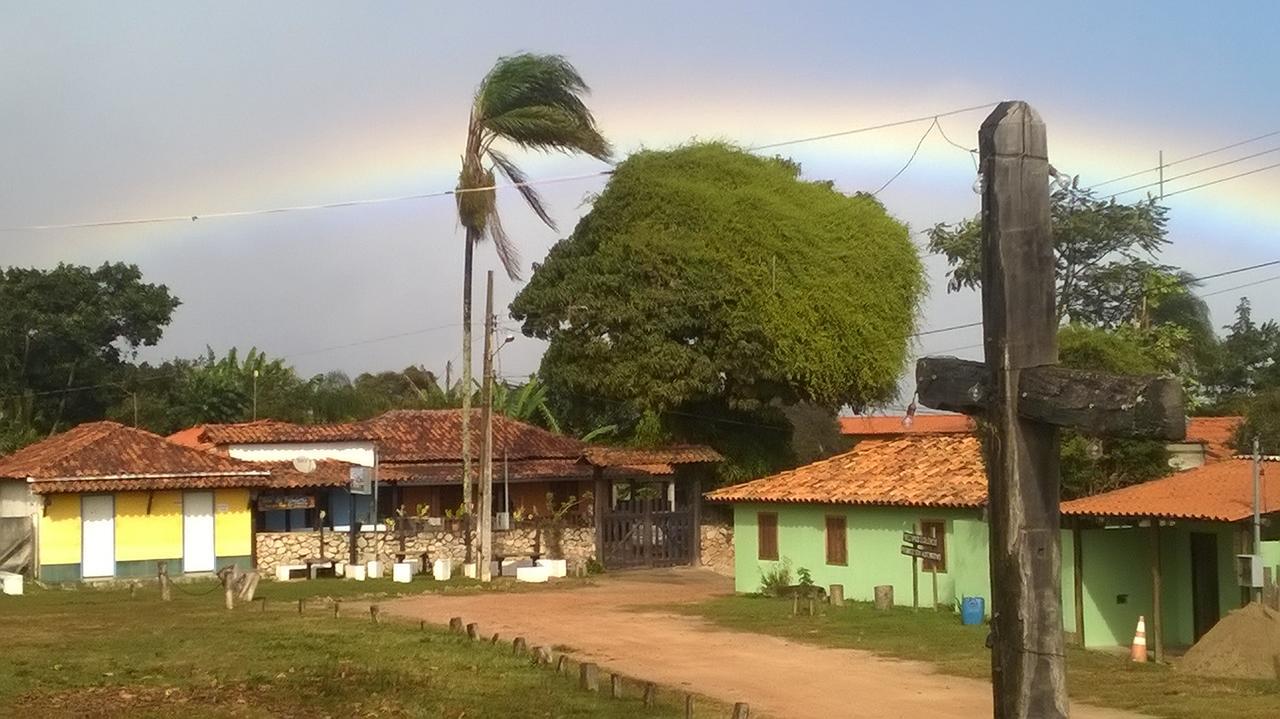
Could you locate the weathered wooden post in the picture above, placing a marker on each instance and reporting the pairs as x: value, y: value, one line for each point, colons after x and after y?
x: 162, y: 575
x: 589, y: 677
x: 518, y: 646
x: 836, y: 593
x: 884, y: 597
x: 615, y: 686
x: 1024, y: 397
x: 473, y: 631
x: 373, y: 613
x: 688, y: 706
x: 650, y: 694
x: 455, y: 625
x: 741, y: 711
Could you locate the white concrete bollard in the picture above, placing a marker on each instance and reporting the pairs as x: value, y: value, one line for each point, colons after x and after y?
x: 442, y: 570
x: 402, y: 572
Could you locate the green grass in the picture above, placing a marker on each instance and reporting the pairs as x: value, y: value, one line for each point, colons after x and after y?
x: 99, y: 652
x: 938, y: 637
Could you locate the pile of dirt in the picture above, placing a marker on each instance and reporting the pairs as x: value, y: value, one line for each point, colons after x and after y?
x: 1245, y: 644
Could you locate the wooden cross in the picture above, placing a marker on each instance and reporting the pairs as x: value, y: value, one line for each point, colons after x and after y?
x: 1024, y: 397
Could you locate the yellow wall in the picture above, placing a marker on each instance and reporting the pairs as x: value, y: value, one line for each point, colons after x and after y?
x: 140, y: 535
x: 60, y: 530
x: 232, y: 523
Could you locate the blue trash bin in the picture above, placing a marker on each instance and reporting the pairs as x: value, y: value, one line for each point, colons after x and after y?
x: 973, y: 610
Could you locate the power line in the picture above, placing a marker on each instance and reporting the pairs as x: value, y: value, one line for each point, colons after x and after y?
x: 1206, y: 153
x: 1223, y: 179
x: 910, y: 160
x: 870, y: 128
x: 1240, y: 287
x: 442, y: 193
x: 1195, y: 172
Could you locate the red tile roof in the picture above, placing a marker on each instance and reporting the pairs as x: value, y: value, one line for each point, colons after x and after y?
x: 632, y: 457
x: 1219, y: 491
x: 1214, y: 433
x: 918, y: 471
x: 869, y: 426
x: 435, y: 435
x: 192, y: 437
x: 270, y: 431
x: 111, y: 450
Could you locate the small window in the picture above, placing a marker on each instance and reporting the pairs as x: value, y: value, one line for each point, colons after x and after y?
x: 938, y: 530
x: 767, y: 522
x: 837, y: 541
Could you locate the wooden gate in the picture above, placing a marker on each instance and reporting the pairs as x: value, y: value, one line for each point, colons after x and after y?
x: 646, y: 533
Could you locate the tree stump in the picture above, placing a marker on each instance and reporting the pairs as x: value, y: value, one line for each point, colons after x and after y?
x: 455, y: 625
x: 837, y: 595
x: 473, y: 631
x: 541, y: 655
x: 884, y: 597
x: 518, y: 646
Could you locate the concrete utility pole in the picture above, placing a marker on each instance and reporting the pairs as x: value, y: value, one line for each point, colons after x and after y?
x: 486, y: 446
x: 1025, y: 397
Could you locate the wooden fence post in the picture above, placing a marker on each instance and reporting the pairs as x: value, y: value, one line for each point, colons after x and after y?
x: 688, y: 706
x: 336, y: 607
x: 162, y: 574
x: 301, y: 602
x: 649, y: 694
x: 373, y: 613
x: 589, y: 677
x: 615, y: 686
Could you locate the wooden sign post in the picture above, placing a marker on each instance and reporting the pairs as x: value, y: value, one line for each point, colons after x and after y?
x: 921, y: 546
x: 1024, y: 397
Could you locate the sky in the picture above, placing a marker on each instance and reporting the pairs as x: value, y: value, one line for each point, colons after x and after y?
x: 162, y: 109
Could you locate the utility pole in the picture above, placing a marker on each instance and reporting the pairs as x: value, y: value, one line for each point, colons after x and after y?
x: 255, y: 395
x: 1162, y: 174
x: 486, y: 442
x: 1257, y: 514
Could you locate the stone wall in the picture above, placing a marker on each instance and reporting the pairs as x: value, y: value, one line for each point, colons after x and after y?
x: 717, y: 546
x: 575, y: 544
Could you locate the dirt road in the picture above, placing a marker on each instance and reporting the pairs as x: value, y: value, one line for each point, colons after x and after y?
x: 777, y: 677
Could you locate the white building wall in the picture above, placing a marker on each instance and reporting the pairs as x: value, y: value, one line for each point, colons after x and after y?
x: 361, y: 453
x: 16, y: 499
x: 1186, y: 455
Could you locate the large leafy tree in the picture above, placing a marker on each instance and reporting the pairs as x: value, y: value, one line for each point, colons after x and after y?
x: 65, y: 334
x: 1246, y: 363
x: 710, y: 287
x: 533, y: 102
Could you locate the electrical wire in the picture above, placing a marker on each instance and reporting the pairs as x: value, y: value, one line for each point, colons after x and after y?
x: 1167, y: 180
x: 870, y: 128
x: 1206, y: 153
x: 1240, y: 287
x: 910, y: 160
x: 1222, y: 179
x: 445, y: 193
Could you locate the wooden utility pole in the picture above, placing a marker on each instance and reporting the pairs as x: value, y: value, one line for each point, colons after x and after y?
x: 1024, y: 397
x: 484, y: 571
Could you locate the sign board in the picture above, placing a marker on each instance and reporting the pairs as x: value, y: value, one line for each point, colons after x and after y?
x: 269, y: 502
x: 920, y: 540
x: 362, y: 480
x: 931, y: 555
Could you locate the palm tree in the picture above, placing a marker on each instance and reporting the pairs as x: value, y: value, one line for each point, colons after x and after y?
x: 533, y: 102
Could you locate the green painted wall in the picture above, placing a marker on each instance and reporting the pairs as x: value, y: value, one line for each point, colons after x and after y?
x: 874, y: 537
x: 1118, y: 583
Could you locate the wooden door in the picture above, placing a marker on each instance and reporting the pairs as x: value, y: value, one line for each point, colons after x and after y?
x: 1205, y: 610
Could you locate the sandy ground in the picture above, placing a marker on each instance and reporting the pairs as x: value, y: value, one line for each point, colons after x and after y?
x: 777, y: 677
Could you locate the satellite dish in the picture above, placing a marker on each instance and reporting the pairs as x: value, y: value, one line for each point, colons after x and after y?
x: 306, y: 465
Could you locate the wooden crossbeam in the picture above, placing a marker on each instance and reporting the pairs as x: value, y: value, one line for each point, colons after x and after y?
x: 1093, y: 402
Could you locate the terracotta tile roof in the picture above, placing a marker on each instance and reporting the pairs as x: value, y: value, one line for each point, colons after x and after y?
x: 630, y: 457
x: 1214, y: 433
x: 192, y: 437
x: 270, y: 431
x: 919, y: 471
x: 1219, y: 491
x: 143, y: 484
x: 435, y: 435
x: 868, y: 426
x: 524, y: 470
x: 111, y: 450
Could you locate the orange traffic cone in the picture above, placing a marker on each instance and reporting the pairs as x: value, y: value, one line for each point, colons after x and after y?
x: 1138, y: 652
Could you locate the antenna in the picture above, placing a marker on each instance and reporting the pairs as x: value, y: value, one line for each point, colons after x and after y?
x: 306, y: 465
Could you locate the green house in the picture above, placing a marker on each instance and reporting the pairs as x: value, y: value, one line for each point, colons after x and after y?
x: 844, y: 519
